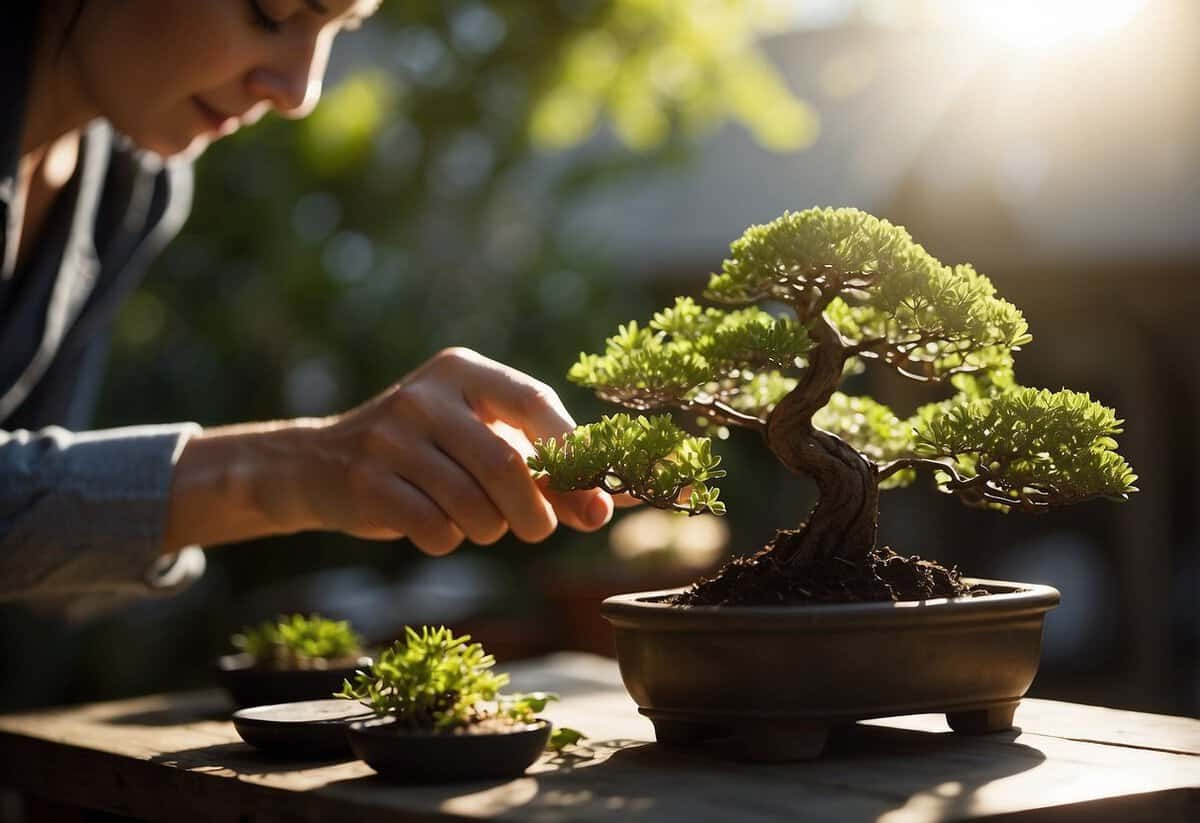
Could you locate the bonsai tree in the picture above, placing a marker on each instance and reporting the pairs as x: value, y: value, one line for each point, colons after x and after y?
x: 852, y: 289
x: 299, y: 642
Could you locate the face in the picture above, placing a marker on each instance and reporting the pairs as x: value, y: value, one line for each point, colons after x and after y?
x: 174, y: 75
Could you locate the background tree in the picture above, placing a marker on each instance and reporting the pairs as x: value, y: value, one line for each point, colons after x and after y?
x: 855, y: 287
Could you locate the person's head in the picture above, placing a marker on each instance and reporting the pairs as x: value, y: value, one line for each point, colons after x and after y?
x: 174, y: 75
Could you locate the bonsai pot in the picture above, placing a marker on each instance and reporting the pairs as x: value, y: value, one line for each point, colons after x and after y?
x: 252, y: 685
x: 443, y: 757
x: 779, y: 678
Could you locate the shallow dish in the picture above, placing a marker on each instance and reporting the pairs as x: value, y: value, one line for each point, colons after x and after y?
x: 308, y: 728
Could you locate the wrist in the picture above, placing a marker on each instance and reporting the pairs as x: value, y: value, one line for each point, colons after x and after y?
x: 238, y: 482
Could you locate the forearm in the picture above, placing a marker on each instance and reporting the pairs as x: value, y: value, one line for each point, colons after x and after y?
x: 240, y: 482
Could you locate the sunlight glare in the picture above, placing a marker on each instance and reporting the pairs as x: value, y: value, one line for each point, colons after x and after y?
x: 1043, y: 24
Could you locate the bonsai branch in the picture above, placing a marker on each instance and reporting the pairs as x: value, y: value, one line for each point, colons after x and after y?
x: 898, y: 355
x: 669, y: 501
x: 723, y: 413
x: 886, y: 470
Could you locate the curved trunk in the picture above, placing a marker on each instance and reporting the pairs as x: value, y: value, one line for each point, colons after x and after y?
x: 844, y: 521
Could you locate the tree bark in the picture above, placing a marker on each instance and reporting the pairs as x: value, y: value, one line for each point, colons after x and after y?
x: 844, y: 521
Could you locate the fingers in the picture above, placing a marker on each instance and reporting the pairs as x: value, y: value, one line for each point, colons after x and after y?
x: 392, y: 505
x: 500, y: 470
x: 585, y: 511
x: 452, y: 489
x: 498, y: 392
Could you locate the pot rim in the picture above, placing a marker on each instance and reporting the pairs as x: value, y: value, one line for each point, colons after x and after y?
x: 1013, y: 601
x: 382, y: 727
x: 236, y: 662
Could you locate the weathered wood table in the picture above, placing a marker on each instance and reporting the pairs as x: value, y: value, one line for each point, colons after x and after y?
x: 175, y: 757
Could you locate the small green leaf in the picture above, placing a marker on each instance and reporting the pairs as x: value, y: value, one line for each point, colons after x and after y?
x: 562, y: 737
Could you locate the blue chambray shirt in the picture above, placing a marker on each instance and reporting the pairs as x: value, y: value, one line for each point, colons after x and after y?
x: 79, y: 510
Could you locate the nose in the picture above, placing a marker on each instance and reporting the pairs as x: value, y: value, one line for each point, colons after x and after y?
x: 291, y: 80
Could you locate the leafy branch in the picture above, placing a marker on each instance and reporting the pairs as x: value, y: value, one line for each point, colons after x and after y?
x: 1022, y: 448
x: 646, y: 457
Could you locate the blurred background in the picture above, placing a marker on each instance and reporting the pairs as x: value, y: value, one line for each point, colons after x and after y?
x: 520, y: 176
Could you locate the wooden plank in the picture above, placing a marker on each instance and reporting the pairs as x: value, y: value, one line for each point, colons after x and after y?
x: 1094, y: 724
x: 175, y: 757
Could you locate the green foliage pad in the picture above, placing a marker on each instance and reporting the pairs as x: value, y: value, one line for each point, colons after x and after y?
x: 648, y: 458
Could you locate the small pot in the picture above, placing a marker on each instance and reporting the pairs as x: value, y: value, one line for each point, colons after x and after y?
x: 779, y: 678
x: 441, y: 757
x: 252, y: 685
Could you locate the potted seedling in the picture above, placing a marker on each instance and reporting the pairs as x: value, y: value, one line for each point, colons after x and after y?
x: 440, y: 716
x: 823, y: 626
x: 293, y: 658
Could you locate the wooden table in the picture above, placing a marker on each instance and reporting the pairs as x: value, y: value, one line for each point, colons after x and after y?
x: 175, y: 757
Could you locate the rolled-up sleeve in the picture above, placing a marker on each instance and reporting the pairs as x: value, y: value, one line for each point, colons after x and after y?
x: 86, y: 511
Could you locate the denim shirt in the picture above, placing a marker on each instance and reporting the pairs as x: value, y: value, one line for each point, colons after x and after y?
x: 79, y: 510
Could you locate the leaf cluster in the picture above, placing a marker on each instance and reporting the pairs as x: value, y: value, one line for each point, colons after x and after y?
x: 1025, y: 448
x: 649, y: 458
x: 435, y: 681
x: 299, y: 641
x: 886, y: 296
x: 801, y: 256
x: 684, y: 349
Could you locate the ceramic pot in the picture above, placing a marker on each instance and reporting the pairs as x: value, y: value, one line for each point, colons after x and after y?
x: 779, y: 678
x: 440, y: 757
x: 250, y: 685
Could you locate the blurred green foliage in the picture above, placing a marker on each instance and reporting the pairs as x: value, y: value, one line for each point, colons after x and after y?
x: 422, y: 205
x: 299, y: 642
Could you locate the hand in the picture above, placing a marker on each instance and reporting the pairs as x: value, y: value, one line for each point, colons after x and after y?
x: 440, y: 457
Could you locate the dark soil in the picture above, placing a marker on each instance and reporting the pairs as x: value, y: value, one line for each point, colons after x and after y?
x: 761, y: 580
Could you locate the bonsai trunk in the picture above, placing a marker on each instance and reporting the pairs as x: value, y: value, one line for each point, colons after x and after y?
x: 844, y: 521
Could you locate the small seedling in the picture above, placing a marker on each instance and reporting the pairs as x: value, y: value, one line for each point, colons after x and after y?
x: 434, y: 681
x: 299, y: 642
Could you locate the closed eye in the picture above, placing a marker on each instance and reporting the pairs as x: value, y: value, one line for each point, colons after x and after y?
x: 262, y: 19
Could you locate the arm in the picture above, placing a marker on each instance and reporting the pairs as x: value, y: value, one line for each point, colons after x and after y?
x: 437, y: 458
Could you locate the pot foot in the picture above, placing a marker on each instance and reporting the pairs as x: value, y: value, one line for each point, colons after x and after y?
x: 983, y: 721
x: 673, y: 732
x: 781, y: 741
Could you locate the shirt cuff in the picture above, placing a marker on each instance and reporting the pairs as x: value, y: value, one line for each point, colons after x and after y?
x: 91, y: 511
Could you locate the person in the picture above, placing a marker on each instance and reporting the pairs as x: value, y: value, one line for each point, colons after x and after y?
x: 105, y: 106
